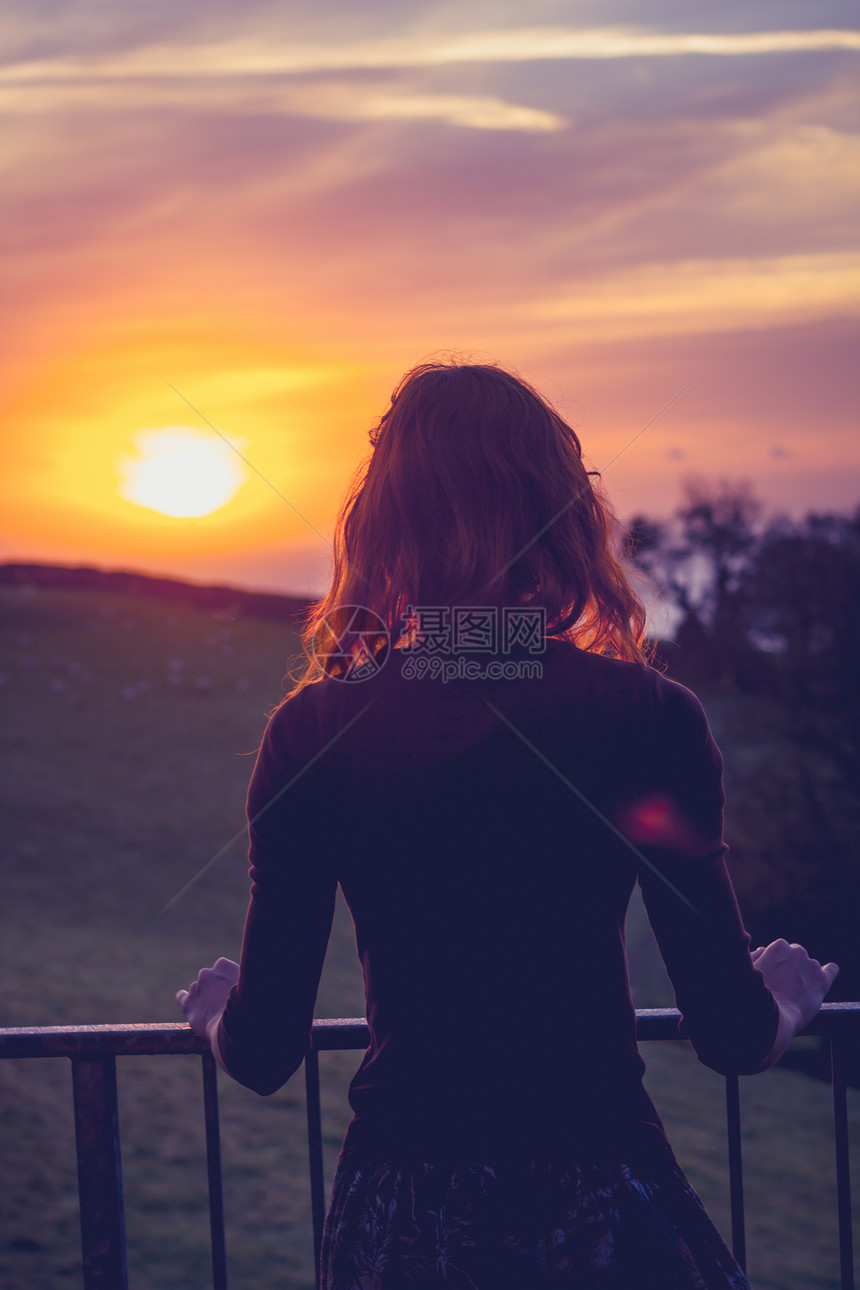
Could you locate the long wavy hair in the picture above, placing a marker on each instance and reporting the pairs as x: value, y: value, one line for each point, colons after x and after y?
x: 475, y: 493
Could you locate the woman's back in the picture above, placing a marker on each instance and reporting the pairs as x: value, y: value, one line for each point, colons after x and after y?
x: 475, y: 828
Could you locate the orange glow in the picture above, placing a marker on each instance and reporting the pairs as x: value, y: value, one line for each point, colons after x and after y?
x: 293, y: 422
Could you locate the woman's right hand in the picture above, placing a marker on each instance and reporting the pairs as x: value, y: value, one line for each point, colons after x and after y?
x: 798, y: 983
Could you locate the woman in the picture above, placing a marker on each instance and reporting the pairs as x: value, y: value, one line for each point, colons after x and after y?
x: 487, y: 792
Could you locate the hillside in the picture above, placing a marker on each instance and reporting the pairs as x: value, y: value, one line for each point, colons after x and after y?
x: 223, y: 601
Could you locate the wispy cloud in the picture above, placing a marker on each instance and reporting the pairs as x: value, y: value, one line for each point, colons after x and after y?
x: 266, y: 74
x: 707, y: 295
x: 331, y: 101
x: 270, y: 56
x: 481, y: 112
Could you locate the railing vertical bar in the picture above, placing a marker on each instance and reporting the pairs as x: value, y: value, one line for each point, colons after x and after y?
x: 99, y: 1173
x: 736, y: 1169
x: 843, y: 1173
x: 213, y: 1169
x: 315, y: 1152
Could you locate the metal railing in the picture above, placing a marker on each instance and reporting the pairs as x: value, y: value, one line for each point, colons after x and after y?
x: 93, y: 1051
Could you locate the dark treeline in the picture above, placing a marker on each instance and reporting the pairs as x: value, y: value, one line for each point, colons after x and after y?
x: 768, y: 635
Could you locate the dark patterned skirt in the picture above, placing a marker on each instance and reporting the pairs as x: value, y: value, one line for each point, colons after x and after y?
x: 522, y: 1227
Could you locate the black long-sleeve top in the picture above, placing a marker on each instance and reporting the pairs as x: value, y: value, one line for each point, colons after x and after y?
x: 487, y: 835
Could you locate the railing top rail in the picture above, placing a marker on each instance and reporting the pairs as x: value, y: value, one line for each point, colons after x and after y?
x: 133, y: 1039
x: 176, y: 1037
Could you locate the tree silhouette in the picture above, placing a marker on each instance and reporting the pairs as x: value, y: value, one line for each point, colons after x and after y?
x: 768, y: 635
x: 802, y: 604
x: 700, y: 560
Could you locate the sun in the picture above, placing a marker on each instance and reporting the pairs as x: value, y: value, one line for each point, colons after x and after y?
x: 180, y: 471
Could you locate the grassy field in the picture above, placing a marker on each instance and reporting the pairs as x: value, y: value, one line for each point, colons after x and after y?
x: 129, y: 728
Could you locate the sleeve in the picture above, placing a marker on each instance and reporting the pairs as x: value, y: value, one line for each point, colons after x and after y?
x: 264, y: 1034
x: 728, y: 1013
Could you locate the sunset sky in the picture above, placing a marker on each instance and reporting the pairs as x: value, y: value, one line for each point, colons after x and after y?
x: 243, y: 223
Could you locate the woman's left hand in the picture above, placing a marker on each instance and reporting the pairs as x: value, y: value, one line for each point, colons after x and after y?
x: 205, y: 999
